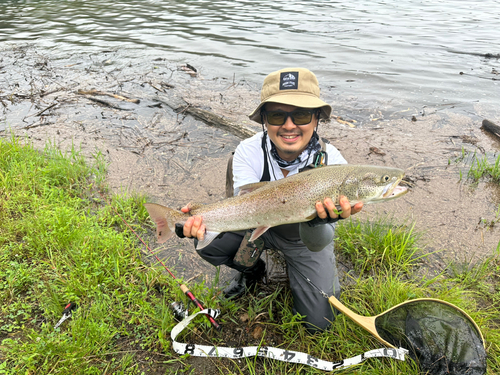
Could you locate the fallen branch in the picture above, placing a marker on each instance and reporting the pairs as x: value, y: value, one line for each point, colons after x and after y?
x: 120, y: 97
x: 36, y: 125
x: 345, y: 122
x: 103, y: 102
x: 179, y: 105
x: 42, y: 94
x: 43, y: 110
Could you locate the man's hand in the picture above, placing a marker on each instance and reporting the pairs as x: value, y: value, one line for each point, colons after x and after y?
x: 194, y: 226
x: 328, y: 209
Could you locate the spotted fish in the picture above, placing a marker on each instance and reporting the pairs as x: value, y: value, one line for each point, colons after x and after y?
x: 290, y: 200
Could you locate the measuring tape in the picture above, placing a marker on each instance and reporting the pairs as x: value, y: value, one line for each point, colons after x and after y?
x: 270, y: 352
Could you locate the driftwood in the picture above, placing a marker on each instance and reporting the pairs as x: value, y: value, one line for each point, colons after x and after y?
x: 179, y: 105
x: 105, y: 103
x: 96, y: 92
x: 43, y: 110
x: 491, y: 127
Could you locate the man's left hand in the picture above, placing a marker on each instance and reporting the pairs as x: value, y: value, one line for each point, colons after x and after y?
x: 327, y: 209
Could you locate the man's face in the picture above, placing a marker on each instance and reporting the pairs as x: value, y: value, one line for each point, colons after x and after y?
x: 290, y: 139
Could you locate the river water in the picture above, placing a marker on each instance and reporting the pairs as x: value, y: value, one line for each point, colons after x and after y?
x: 395, y: 54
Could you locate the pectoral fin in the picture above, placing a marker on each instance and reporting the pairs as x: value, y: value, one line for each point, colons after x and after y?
x: 258, y: 232
x: 207, y: 239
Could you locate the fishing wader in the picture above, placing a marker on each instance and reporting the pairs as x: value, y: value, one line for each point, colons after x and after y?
x: 316, y: 262
x: 252, y: 268
x: 319, y: 267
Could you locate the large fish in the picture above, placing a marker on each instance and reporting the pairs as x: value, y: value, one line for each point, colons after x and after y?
x: 290, y: 200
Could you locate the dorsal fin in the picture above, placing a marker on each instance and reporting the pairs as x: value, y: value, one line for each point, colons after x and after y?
x: 194, y: 205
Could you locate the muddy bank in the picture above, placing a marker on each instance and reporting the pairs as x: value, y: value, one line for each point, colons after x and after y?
x: 155, y: 148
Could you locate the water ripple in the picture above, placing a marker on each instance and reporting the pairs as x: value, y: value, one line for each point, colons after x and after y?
x: 374, y: 49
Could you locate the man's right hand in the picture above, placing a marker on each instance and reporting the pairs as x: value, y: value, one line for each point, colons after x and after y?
x: 193, y: 227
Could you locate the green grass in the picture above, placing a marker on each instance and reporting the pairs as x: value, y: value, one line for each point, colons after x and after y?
x: 479, y: 167
x: 61, y: 240
x: 483, y: 168
x: 378, y: 245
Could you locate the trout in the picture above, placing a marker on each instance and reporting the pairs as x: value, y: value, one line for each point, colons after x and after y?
x: 290, y: 200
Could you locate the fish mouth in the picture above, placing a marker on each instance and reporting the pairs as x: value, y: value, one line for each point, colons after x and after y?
x: 394, y: 190
x: 397, y: 192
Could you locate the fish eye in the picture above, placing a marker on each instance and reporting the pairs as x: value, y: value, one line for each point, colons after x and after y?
x: 385, y: 178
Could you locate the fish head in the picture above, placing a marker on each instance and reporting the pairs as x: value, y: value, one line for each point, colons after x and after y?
x: 375, y: 184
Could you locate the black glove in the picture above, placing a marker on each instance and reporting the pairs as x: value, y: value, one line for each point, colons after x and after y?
x: 179, y: 230
x: 319, y: 221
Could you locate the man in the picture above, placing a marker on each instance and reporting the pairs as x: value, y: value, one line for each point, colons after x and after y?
x: 289, y: 112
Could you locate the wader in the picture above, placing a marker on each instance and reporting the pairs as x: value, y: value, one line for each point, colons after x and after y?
x: 235, y: 251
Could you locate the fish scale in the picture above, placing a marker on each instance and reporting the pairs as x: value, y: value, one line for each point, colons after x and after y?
x: 286, y: 201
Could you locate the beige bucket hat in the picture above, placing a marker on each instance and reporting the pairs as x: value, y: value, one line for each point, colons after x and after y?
x: 293, y: 86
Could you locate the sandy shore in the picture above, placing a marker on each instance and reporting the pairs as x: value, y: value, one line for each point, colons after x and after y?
x: 175, y: 159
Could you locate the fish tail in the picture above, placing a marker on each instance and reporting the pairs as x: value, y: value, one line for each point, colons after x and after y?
x: 165, y: 219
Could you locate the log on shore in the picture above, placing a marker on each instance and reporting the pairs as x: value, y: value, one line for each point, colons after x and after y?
x: 491, y: 127
x: 179, y: 105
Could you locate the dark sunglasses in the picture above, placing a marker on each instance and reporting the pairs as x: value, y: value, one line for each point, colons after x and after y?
x: 298, y: 116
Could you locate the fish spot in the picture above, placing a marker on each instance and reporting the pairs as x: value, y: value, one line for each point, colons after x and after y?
x: 283, y: 201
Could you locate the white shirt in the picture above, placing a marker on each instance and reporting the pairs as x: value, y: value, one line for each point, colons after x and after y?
x: 248, y: 162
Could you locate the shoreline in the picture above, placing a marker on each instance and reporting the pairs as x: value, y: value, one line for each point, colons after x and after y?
x: 175, y: 158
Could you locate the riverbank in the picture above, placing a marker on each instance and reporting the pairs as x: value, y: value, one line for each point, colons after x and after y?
x: 174, y: 158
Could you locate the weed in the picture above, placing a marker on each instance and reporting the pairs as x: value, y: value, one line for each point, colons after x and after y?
x: 482, y: 168
x: 376, y: 245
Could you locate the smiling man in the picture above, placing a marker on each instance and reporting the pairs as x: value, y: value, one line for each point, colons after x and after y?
x: 289, y: 139
x: 289, y: 112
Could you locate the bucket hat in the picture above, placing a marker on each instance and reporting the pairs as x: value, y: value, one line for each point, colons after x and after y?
x: 292, y: 86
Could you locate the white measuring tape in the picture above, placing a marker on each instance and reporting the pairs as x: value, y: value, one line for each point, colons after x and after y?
x: 270, y: 352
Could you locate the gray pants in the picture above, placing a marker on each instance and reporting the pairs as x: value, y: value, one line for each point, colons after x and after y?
x: 320, y: 267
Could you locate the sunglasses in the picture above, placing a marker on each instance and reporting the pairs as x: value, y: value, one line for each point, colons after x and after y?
x: 298, y: 116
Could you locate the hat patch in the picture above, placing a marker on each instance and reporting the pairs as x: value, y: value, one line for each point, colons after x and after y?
x: 289, y: 80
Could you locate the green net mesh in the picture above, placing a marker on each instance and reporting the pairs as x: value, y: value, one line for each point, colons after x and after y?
x: 440, y: 337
